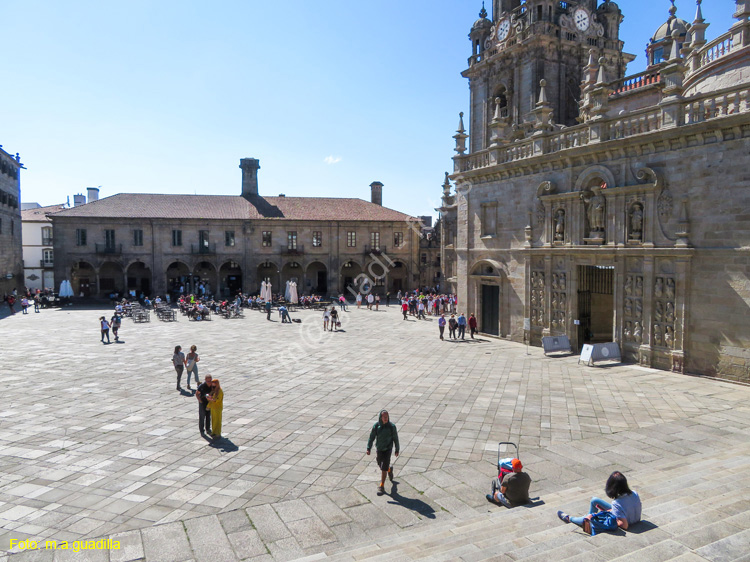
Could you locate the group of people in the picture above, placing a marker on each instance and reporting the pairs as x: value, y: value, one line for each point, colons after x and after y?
x: 209, y: 393
x: 113, y: 323
x: 27, y: 298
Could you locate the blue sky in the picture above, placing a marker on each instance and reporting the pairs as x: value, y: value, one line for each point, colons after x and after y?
x: 167, y: 96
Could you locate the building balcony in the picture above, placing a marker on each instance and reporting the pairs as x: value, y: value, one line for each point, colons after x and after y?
x: 203, y: 249
x: 297, y: 250
x: 375, y: 250
x: 108, y: 248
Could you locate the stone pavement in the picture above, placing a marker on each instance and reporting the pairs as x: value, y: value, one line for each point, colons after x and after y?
x: 98, y: 443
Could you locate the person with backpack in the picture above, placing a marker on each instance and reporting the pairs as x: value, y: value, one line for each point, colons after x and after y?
x: 116, y: 322
x: 385, y: 437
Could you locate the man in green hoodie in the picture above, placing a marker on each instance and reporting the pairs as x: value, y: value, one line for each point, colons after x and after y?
x: 385, y: 436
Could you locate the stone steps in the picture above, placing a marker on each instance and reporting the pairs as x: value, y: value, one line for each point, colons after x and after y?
x: 692, y: 511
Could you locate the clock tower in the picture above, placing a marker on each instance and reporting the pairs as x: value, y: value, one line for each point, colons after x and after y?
x: 527, y: 41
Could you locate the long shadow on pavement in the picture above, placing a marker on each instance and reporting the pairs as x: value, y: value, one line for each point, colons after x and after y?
x: 409, y: 503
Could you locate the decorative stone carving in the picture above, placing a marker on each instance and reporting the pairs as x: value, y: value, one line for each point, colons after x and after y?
x: 559, y: 225
x: 637, y: 333
x: 635, y: 221
x: 596, y: 208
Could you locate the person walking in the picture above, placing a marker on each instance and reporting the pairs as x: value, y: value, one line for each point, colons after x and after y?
x: 385, y: 437
x: 178, y: 360
x: 334, y: 319
x: 472, y: 325
x: 105, y: 328
x: 204, y: 414
x: 461, y: 326
x: 216, y: 405
x: 116, y: 322
x: 441, y: 325
x: 191, y: 362
x: 452, y: 325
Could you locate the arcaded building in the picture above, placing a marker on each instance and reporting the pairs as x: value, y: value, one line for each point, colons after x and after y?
x: 157, y: 244
x: 603, y: 206
x: 11, y: 261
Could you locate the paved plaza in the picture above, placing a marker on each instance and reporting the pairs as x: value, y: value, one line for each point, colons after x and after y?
x: 98, y: 443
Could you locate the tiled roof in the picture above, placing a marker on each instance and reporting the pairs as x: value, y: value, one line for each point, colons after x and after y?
x: 232, y: 207
x: 40, y: 214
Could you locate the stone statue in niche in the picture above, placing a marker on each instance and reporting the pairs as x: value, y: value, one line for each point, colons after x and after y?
x: 628, y: 307
x: 638, y: 309
x: 657, y: 334
x: 639, y: 286
x: 659, y: 311
x: 560, y: 225
x: 670, y: 288
x: 628, y: 331
x: 669, y: 337
x: 596, y: 207
x: 629, y: 285
x: 637, y: 333
x: 659, y: 287
x: 670, y: 312
x: 636, y: 222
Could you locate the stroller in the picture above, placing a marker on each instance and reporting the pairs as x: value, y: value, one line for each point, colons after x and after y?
x: 504, y: 465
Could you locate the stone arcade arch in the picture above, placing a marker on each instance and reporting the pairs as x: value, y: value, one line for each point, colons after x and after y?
x: 267, y: 271
x: 351, y: 272
x: 178, y: 276
x: 139, y: 279
x: 230, y: 277
x: 205, y: 272
x: 83, y: 279
x: 111, y: 279
x: 316, y: 279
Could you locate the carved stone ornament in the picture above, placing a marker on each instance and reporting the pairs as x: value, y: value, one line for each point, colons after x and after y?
x: 546, y: 188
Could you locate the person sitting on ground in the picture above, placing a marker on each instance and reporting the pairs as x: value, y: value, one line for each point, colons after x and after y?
x: 513, y: 489
x: 623, y: 512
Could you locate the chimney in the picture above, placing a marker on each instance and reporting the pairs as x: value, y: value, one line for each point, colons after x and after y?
x: 376, y: 193
x: 93, y: 193
x: 79, y: 199
x: 249, y: 168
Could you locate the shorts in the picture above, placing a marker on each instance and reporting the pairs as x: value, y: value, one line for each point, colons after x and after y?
x: 384, y: 459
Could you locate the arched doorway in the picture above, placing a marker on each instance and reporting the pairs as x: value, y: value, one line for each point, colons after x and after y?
x: 268, y: 271
x: 204, y: 279
x: 486, y: 295
x: 178, y: 279
x: 292, y: 271
x: 83, y: 279
x: 111, y: 279
x: 230, y: 275
x: 316, y: 278
x: 139, y: 279
x: 397, y: 277
x: 351, y: 277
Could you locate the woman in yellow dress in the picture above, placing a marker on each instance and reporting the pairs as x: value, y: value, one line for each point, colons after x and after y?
x: 216, y: 405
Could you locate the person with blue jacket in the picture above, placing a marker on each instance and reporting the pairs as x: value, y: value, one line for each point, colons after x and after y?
x: 385, y: 436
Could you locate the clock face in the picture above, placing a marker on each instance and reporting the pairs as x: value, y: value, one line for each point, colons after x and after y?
x: 581, y: 17
x: 503, y: 29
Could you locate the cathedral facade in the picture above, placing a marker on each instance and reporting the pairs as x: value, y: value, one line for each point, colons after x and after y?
x: 602, y: 206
